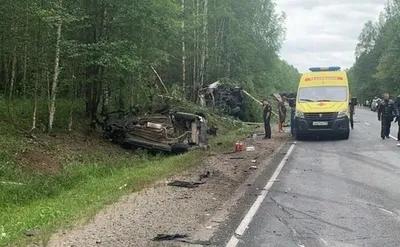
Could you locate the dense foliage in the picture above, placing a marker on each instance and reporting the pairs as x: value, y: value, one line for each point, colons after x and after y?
x: 377, y: 66
x: 111, y: 54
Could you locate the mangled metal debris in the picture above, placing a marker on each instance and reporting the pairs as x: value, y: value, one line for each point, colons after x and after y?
x: 184, y: 184
x: 164, y: 131
x: 169, y: 237
x: 229, y: 99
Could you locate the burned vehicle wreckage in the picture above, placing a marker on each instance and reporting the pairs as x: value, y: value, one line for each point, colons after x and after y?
x: 167, y: 131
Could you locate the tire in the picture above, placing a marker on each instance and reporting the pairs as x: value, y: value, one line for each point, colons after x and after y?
x: 180, y: 148
x: 346, y: 135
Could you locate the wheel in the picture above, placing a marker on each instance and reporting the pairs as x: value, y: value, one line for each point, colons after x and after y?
x: 180, y: 148
x: 346, y: 135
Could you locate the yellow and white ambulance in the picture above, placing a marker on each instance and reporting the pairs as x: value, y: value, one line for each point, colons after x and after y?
x: 322, y: 103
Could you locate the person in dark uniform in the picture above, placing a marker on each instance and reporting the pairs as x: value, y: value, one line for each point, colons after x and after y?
x: 397, y: 119
x: 387, y: 111
x: 267, y: 119
x: 352, y: 111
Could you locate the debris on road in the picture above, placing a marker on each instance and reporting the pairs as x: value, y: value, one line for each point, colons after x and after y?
x: 184, y: 184
x: 236, y: 158
x: 250, y: 148
x: 180, y: 238
x: 206, y: 175
x: 168, y: 237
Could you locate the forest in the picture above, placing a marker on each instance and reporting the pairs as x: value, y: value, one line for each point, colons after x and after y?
x: 94, y: 56
x: 377, y: 66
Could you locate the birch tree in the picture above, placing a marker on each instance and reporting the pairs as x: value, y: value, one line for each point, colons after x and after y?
x: 53, y: 92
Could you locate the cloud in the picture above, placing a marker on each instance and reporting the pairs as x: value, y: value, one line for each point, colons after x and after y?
x: 324, y: 33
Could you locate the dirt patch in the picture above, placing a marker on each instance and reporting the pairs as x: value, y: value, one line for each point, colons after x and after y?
x: 33, y: 160
x: 137, y: 218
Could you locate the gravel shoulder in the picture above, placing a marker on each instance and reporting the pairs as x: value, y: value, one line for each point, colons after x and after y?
x: 161, y: 209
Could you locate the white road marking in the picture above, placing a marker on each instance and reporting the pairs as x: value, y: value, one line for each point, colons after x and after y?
x: 233, y: 242
x: 366, y: 123
x: 387, y: 211
x: 253, y: 210
x: 323, y: 240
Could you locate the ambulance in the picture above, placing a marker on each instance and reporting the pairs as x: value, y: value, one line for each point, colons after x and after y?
x: 322, y: 103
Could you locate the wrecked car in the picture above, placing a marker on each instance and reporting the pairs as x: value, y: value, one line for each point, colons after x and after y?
x: 171, y: 132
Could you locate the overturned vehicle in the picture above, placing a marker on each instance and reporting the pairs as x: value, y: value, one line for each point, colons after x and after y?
x: 170, y: 132
x: 227, y: 98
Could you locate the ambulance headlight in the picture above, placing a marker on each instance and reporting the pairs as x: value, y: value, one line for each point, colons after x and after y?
x: 342, y: 113
x: 299, y: 114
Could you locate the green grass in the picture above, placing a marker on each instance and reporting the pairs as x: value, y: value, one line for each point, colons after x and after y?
x: 89, y: 181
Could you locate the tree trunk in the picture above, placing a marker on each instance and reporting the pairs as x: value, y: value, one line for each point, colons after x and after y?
x: 106, y: 99
x: 71, y: 108
x: 25, y: 70
x: 183, y: 49
x: 53, y: 92
x: 6, y: 72
x: 13, y: 71
x: 26, y: 37
x: 196, y: 51
x: 204, y: 44
x: 35, y: 105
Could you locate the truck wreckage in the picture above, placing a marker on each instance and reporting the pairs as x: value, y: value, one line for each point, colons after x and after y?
x: 168, y: 132
x: 229, y: 99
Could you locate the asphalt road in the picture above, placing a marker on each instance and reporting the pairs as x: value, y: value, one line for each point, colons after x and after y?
x: 333, y: 193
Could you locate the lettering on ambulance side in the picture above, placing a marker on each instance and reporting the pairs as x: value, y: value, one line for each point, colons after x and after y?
x: 331, y: 78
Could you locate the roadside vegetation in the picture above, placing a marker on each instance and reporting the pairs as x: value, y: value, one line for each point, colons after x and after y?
x: 64, y: 64
x: 376, y: 70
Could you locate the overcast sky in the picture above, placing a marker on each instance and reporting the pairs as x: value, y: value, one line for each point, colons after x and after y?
x: 324, y: 32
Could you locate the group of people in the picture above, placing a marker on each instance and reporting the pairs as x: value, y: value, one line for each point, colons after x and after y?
x: 267, y: 116
x: 388, y: 111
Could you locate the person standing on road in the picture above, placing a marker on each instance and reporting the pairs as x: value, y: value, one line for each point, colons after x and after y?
x: 282, y: 113
x: 292, y: 117
x: 387, y: 111
x: 267, y: 119
x: 397, y: 119
x: 352, y: 110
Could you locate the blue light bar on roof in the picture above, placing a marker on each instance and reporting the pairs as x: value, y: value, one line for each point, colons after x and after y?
x: 317, y: 69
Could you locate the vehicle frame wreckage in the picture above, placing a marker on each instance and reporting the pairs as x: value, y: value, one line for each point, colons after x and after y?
x: 169, y: 132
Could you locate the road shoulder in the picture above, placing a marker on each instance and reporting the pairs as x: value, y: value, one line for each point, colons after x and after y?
x: 232, y: 183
